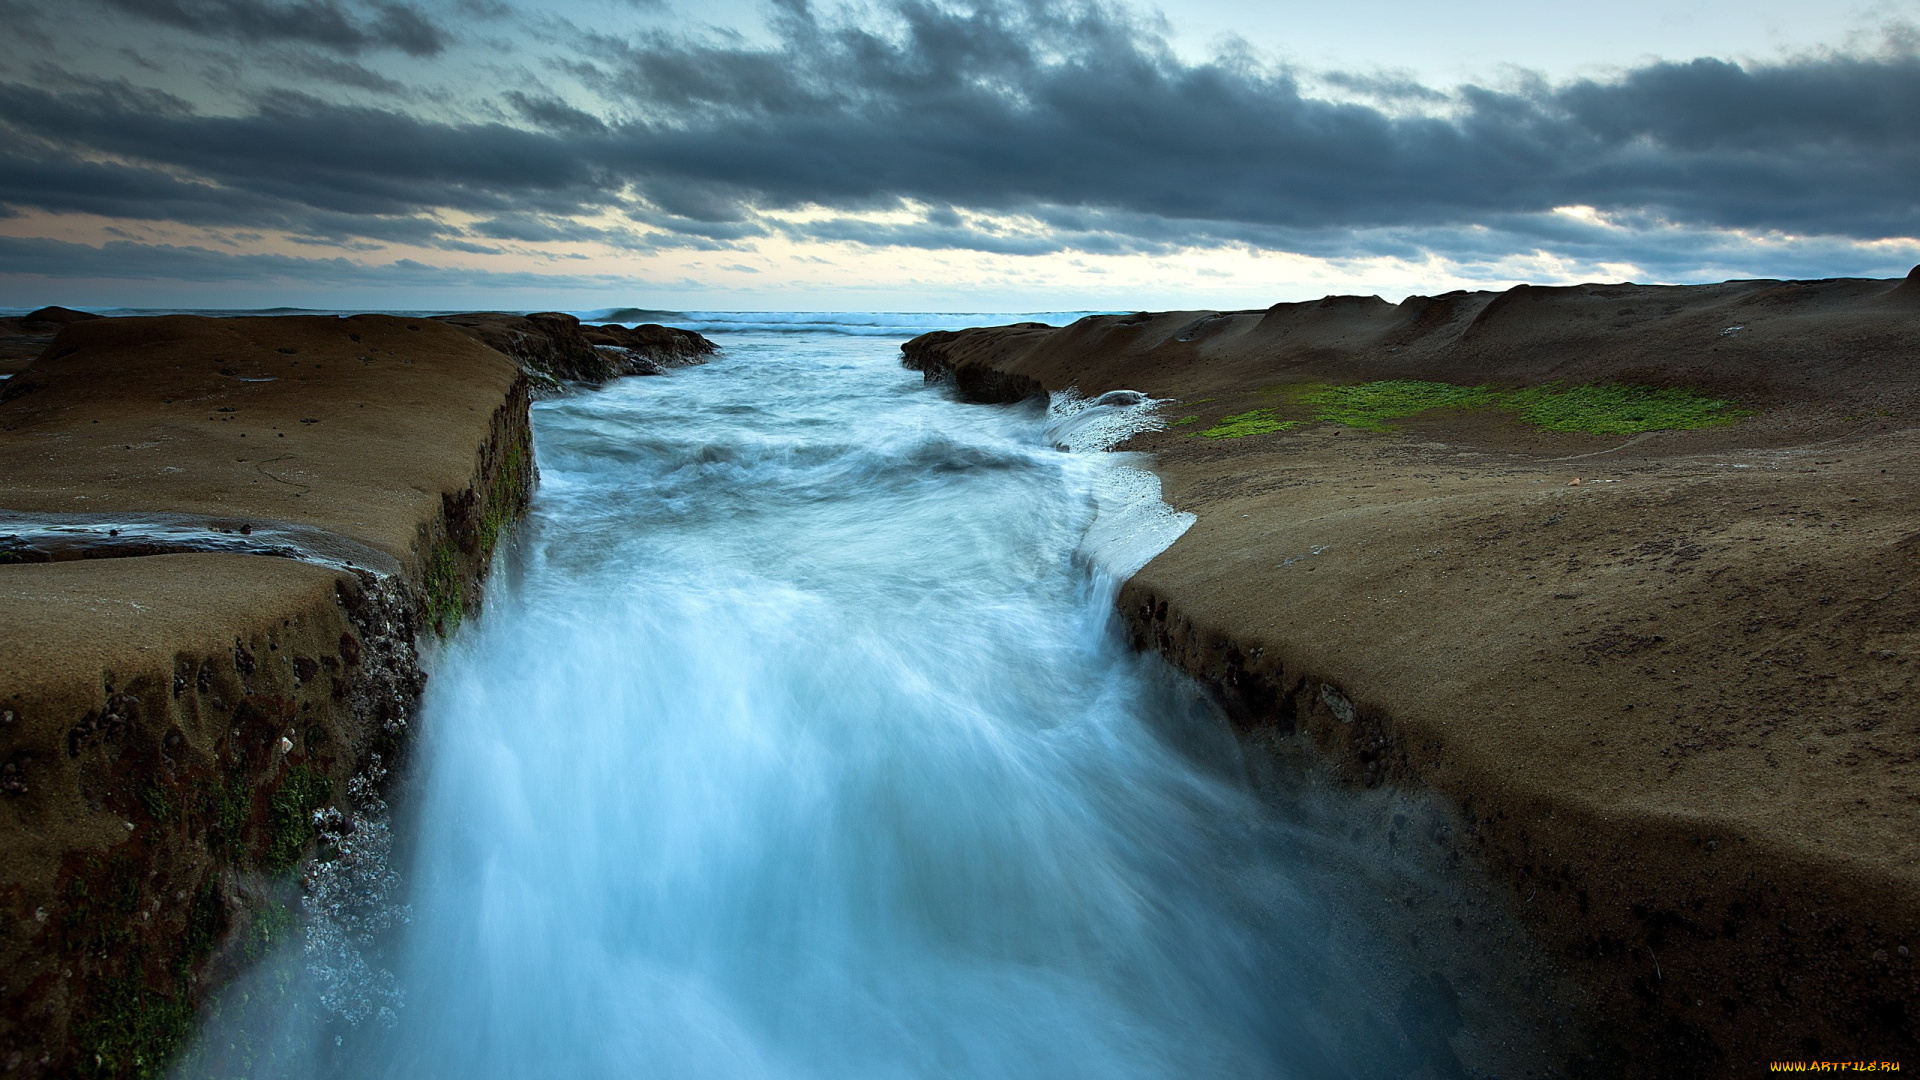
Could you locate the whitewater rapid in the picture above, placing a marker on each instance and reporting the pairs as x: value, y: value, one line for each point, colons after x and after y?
x: 798, y: 739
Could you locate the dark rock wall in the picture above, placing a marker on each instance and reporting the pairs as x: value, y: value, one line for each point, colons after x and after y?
x: 934, y: 356
x: 1693, y: 951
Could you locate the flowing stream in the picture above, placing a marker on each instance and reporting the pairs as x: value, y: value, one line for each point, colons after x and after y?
x: 798, y: 740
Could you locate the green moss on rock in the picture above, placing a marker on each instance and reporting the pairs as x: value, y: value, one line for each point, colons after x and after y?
x: 1619, y: 409
x: 506, y: 495
x: 158, y: 802
x: 290, y: 816
x: 1370, y: 405
x: 1598, y: 409
x: 132, y: 1029
x: 228, y: 803
x: 446, y: 588
x: 272, y: 925
x: 1252, y: 422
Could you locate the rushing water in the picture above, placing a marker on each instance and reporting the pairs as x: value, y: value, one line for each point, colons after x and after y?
x: 798, y: 740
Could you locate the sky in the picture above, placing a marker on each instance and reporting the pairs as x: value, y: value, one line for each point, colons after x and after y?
x: 929, y: 155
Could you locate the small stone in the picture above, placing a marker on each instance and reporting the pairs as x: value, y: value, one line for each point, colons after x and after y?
x: 40, y: 915
x: 1338, y: 703
x: 1903, y: 952
x: 286, y: 745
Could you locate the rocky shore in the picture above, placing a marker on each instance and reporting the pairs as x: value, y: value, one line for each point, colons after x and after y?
x: 554, y: 347
x: 1623, y: 576
x: 180, y: 715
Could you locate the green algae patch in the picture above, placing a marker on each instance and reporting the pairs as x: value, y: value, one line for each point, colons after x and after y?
x: 272, y: 926
x: 1190, y: 419
x: 1619, y: 409
x: 506, y: 495
x: 1596, y: 409
x: 132, y: 1029
x: 1370, y: 405
x: 1252, y: 422
x: 228, y: 805
x: 290, y: 815
x: 159, y: 803
x: 446, y: 589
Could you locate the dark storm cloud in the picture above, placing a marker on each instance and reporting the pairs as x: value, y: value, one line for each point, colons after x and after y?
x: 330, y: 24
x: 553, y: 114
x: 126, y: 261
x: 1078, y: 118
x: 346, y: 73
x: 1004, y: 106
x: 303, y: 154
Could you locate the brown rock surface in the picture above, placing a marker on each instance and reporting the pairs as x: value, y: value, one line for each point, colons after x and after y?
x: 357, y: 426
x: 24, y: 338
x: 1673, y: 705
x: 169, y: 722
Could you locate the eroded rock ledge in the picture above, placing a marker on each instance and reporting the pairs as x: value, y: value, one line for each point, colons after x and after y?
x: 553, y: 347
x: 1671, y: 706
x: 170, y: 723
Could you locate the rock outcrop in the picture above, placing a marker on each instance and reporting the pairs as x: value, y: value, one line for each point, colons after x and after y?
x: 24, y: 338
x: 1665, y: 681
x: 178, y: 719
x: 557, y: 347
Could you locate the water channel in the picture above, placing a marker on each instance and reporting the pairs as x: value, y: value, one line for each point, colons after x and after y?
x: 798, y: 739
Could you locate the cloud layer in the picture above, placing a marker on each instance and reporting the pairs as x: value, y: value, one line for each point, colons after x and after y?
x: 1009, y: 126
x: 330, y: 24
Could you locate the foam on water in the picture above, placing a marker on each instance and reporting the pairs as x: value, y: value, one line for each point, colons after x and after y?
x: 798, y: 740
x: 1130, y: 523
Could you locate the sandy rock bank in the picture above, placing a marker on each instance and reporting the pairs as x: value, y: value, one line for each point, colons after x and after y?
x: 171, y: 719
x: 1673, y: 705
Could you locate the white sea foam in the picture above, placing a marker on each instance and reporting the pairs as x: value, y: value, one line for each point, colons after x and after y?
x: 1131, y: 523
x: 350, y: 898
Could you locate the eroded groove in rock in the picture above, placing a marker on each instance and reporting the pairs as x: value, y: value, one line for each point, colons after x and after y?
x: 37, y: 538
